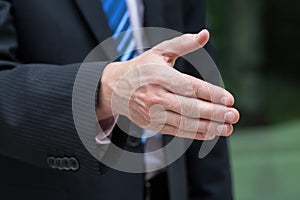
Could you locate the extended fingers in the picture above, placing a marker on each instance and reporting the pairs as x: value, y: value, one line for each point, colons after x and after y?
x: 196, y: 108
x: 209, y: 92
x: 197, y: 125
x: 175, y: 131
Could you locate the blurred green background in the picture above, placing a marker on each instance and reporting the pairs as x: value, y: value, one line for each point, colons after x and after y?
x: 257, y: 44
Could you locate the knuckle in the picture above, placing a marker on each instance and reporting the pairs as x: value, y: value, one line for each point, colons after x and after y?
x: 208, y: 111
x: 203, y: 87
x: 151, y: 100
x: 190, y: 108
x: 145, y: 114
x: 173, y: 102
x: 214, y: 112
x: 176, y: 121
x: 184, y: 123
x: 205, y: 127
x: 159, y: 118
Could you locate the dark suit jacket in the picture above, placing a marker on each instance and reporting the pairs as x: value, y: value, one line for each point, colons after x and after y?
x: 42, y: 43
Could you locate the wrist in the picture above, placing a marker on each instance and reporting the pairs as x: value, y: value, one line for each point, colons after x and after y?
x: 108, y: 81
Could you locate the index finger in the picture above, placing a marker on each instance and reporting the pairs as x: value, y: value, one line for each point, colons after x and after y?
x: 209, y: 92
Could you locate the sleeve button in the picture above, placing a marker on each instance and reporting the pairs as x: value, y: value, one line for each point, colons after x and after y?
x: 58, y: 163
x: 50, y: 162
x: 74, y: 164
x: 65, y: 163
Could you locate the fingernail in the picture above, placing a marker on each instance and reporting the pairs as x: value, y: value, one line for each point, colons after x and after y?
x: 198, y: 34
x: 229, y: 116
x: 225, y: 100
x: 222, y: 129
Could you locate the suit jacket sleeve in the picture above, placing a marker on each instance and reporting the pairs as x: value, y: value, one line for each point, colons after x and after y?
x: 36, y: 118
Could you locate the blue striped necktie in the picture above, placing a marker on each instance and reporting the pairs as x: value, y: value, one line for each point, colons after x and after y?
x: 119, y: 21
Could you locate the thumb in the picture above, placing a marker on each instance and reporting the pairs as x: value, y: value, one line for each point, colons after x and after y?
x: 182, y: 45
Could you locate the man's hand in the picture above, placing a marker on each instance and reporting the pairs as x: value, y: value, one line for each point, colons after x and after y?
x: 155, y: 96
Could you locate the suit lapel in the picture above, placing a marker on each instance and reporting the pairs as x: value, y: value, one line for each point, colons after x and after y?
x: 95, y: 18
x: 154, y: 15
x: 165, y: 14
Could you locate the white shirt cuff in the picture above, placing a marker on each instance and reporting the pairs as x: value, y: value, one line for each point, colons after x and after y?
x: 105, y: 130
